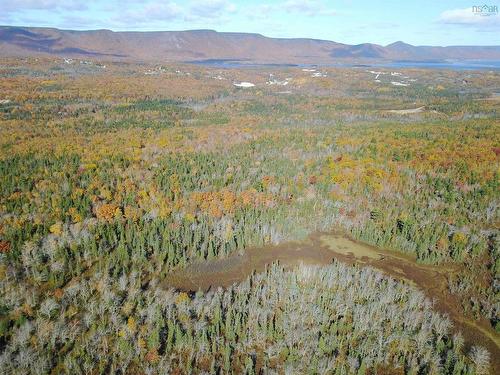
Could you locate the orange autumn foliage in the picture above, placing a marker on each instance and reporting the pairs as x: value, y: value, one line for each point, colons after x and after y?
x: 4, y: 247
x: 107, y: 211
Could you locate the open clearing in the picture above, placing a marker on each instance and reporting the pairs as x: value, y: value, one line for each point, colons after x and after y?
x: 407, y: 111
x: 495, y: 97
x: 322, y: 249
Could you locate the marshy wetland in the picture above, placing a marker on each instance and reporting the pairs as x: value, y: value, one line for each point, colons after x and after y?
x: 190, y: 219
x: 321, y: 249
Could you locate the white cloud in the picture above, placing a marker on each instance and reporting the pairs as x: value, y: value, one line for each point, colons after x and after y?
x: 210, y: 9
x: 25, y: 11
x: 149, y: 13
x: 157, y: 11
x: 261, y: 11
x: 132, y: 13
x: 23, y: 5
x: 309, y: 8
x: 466, y: 17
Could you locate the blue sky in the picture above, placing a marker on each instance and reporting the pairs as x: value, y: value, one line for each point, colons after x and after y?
x: 348, y: 21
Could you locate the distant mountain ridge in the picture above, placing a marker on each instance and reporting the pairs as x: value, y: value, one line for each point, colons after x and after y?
x: 197, y: 45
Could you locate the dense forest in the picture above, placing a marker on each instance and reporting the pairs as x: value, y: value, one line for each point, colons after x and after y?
x: 107, y: 189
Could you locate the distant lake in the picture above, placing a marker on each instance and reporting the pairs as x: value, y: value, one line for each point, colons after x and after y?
x: 451, y: 65
x: 229, y: 63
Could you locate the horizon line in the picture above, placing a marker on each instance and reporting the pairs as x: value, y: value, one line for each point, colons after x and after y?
x: 243, y: 32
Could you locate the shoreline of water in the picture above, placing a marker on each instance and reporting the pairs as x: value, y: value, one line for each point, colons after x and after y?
x: 457, y: 65
x: 321, y: 249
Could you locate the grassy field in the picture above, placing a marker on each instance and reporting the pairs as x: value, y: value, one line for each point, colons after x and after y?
x: 115, y: 176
